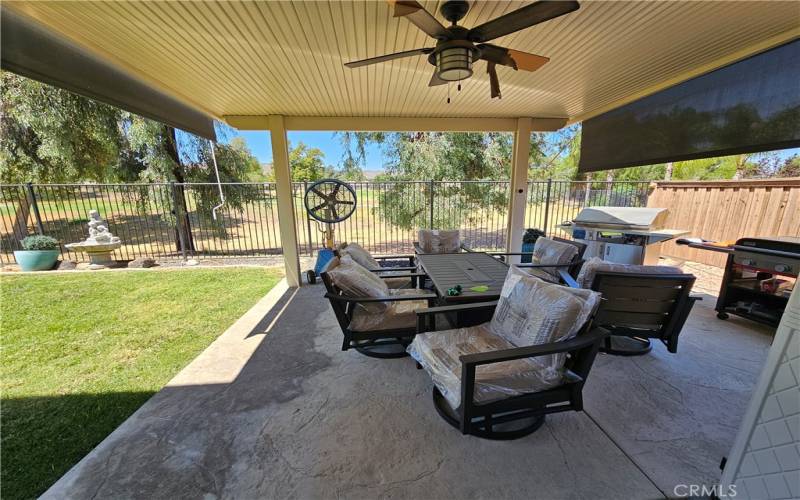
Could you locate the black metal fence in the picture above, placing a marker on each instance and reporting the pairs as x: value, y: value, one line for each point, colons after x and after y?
x: 172, y: 220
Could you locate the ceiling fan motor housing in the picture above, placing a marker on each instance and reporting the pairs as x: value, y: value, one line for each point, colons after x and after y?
x: 454, y: 10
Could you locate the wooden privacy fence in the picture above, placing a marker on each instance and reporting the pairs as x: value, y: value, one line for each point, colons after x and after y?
x: 727, y: 210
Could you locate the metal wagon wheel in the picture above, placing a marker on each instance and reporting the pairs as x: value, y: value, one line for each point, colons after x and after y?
x: 330, y: 201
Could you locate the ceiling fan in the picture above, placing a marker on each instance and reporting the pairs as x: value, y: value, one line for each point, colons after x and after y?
x: 458, y: 47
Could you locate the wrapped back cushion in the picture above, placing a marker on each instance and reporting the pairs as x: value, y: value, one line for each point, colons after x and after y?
x: 356, y: 281
x: 594, y: 265
x: 399, y: 315
x: 360, y: 255
x: 547, y: 251
x: 435, y: 241
x: 533, y: 312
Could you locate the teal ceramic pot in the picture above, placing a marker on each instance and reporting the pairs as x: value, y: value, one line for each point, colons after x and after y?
x: 526, y: 248
x: 36, y: 260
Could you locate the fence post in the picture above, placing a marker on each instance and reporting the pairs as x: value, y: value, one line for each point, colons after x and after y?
x: 308, y: 222
x: 430, y: 225
x: 178, y: 218
x: 547, y: 206
x: 35, y: 206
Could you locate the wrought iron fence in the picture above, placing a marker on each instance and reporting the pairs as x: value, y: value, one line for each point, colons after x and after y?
x: 172, y: 220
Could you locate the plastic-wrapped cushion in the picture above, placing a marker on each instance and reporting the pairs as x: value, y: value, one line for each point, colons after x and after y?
x: 356, y: 281
x: 547, y: 251
x: 360, y: 255
x: 399, y: 315
x: 541, y: 274
x: 439, y: 352
x: 529, y: 312
x: 434, y: 241
x: 591, y: 267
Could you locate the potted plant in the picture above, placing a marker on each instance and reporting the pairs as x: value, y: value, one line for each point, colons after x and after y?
x: 39, y: 253
x: 529, y: 241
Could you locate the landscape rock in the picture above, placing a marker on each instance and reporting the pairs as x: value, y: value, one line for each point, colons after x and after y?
x: 142, y: 262
x: 67, y: 265
x: 192, y: 262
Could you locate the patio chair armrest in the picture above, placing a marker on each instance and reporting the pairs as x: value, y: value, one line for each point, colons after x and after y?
x: 517, y: 254
x: 404, y: 275
x: 389, y: 269
x: 393, y: 298
x: 408, y: 257
x: 418, y: 249
x: 423, y: 315
x: 695, y: 298
x: 545, y: 265
x: 594, y: 336
x: 466, y: 248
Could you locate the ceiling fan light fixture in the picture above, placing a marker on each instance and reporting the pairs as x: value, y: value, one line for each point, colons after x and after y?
x: 454, y: 63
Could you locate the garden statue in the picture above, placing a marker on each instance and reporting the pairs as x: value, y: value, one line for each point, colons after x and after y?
x: 99, y: 244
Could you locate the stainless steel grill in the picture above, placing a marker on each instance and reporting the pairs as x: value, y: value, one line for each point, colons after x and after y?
x: 626, y: 235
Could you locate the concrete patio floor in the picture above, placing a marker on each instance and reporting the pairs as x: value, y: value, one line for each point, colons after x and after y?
x: 274, y: 409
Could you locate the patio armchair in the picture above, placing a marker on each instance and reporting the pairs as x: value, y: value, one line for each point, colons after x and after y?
x: 498, y: 380
x: 395, y: 274
x: 375, y: 320
x: 439, y: 241
x: 552, y: 256
x: 639, y: 303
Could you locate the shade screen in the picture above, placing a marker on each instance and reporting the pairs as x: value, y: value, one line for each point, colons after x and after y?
x: 31, y: 51
x: 749, y: 106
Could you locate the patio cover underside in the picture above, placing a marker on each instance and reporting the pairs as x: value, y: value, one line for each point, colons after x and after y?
x: 273, y: 409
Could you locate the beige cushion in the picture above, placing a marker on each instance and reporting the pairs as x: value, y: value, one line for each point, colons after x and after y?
x: 547, y: 251
x: 439, y: 352
x: 541, y: 274
x: 360, y: 255
x: 435, y: 241
x: 356, y: 281
x: 398, y: 315
x: 592, y: 266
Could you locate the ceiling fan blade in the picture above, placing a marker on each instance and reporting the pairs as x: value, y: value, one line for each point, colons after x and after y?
x: 435, y: 80
x: 527, y: 16
x: 513, y: 58
x: 422, y: 19
x: 387, y: 57
x: 494, y: 82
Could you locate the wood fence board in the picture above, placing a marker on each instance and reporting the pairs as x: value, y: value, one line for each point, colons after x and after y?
x: 727, y: 210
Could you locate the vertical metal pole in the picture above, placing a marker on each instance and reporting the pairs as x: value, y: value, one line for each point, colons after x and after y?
x: 178, y: 217
x: 35, y: 206
x: 308, y: 222
x: 430, y: 224
x: 547, y: 206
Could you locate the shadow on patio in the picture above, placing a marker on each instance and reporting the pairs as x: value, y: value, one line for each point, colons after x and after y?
x: 274, y: 409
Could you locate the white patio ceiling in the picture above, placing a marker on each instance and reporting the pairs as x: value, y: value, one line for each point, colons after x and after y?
x: 285, y: 58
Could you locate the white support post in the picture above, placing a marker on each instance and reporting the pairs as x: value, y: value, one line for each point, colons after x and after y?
x: 519, y: 186
x: 283, y: 188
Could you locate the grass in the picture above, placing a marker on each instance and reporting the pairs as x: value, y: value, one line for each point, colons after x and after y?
x: 81, y: 352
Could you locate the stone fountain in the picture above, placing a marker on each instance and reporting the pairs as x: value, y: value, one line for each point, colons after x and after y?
x: 99, y: 244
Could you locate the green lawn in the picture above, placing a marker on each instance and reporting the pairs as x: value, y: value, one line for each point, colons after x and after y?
x: 81, y: 352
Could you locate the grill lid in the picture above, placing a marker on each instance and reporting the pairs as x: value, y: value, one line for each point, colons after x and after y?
x: 622, y: 217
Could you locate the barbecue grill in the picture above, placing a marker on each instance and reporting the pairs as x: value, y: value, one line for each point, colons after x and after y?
x: 627, y: 235
x: 759, y: 276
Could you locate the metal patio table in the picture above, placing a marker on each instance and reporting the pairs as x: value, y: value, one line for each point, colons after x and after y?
x: 468, y: 270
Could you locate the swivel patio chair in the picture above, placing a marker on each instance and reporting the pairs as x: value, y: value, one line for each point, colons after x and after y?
x: 375, y: 320
x: 639, y: 303
x: 551, y: 255
x: 439, y: 241
x: 499, y: 380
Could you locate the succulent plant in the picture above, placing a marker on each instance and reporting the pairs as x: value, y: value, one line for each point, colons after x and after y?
x: 39, y: 242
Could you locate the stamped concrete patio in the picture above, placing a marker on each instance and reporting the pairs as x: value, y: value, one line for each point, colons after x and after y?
x: 274, y: 409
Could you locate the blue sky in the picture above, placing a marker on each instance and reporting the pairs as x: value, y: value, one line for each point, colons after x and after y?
x: 259, y: 143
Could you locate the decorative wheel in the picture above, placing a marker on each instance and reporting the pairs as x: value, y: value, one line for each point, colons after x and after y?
x: 330, y: 201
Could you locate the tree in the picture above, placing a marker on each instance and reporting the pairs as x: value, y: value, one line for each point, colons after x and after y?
x: 51, y: 135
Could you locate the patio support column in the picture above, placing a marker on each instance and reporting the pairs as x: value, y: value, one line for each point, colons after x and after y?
x: 518, y: 186
x: 283, y: 188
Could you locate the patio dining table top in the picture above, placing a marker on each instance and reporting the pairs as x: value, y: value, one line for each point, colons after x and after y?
x: 468, y: 270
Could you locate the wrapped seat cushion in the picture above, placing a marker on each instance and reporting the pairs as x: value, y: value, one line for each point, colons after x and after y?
x: 399, y: 315
x: 594, y: 265
x: 529, y: 312
x: 547, y: 251
x: 365, y: 259
x: 438, y: 353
